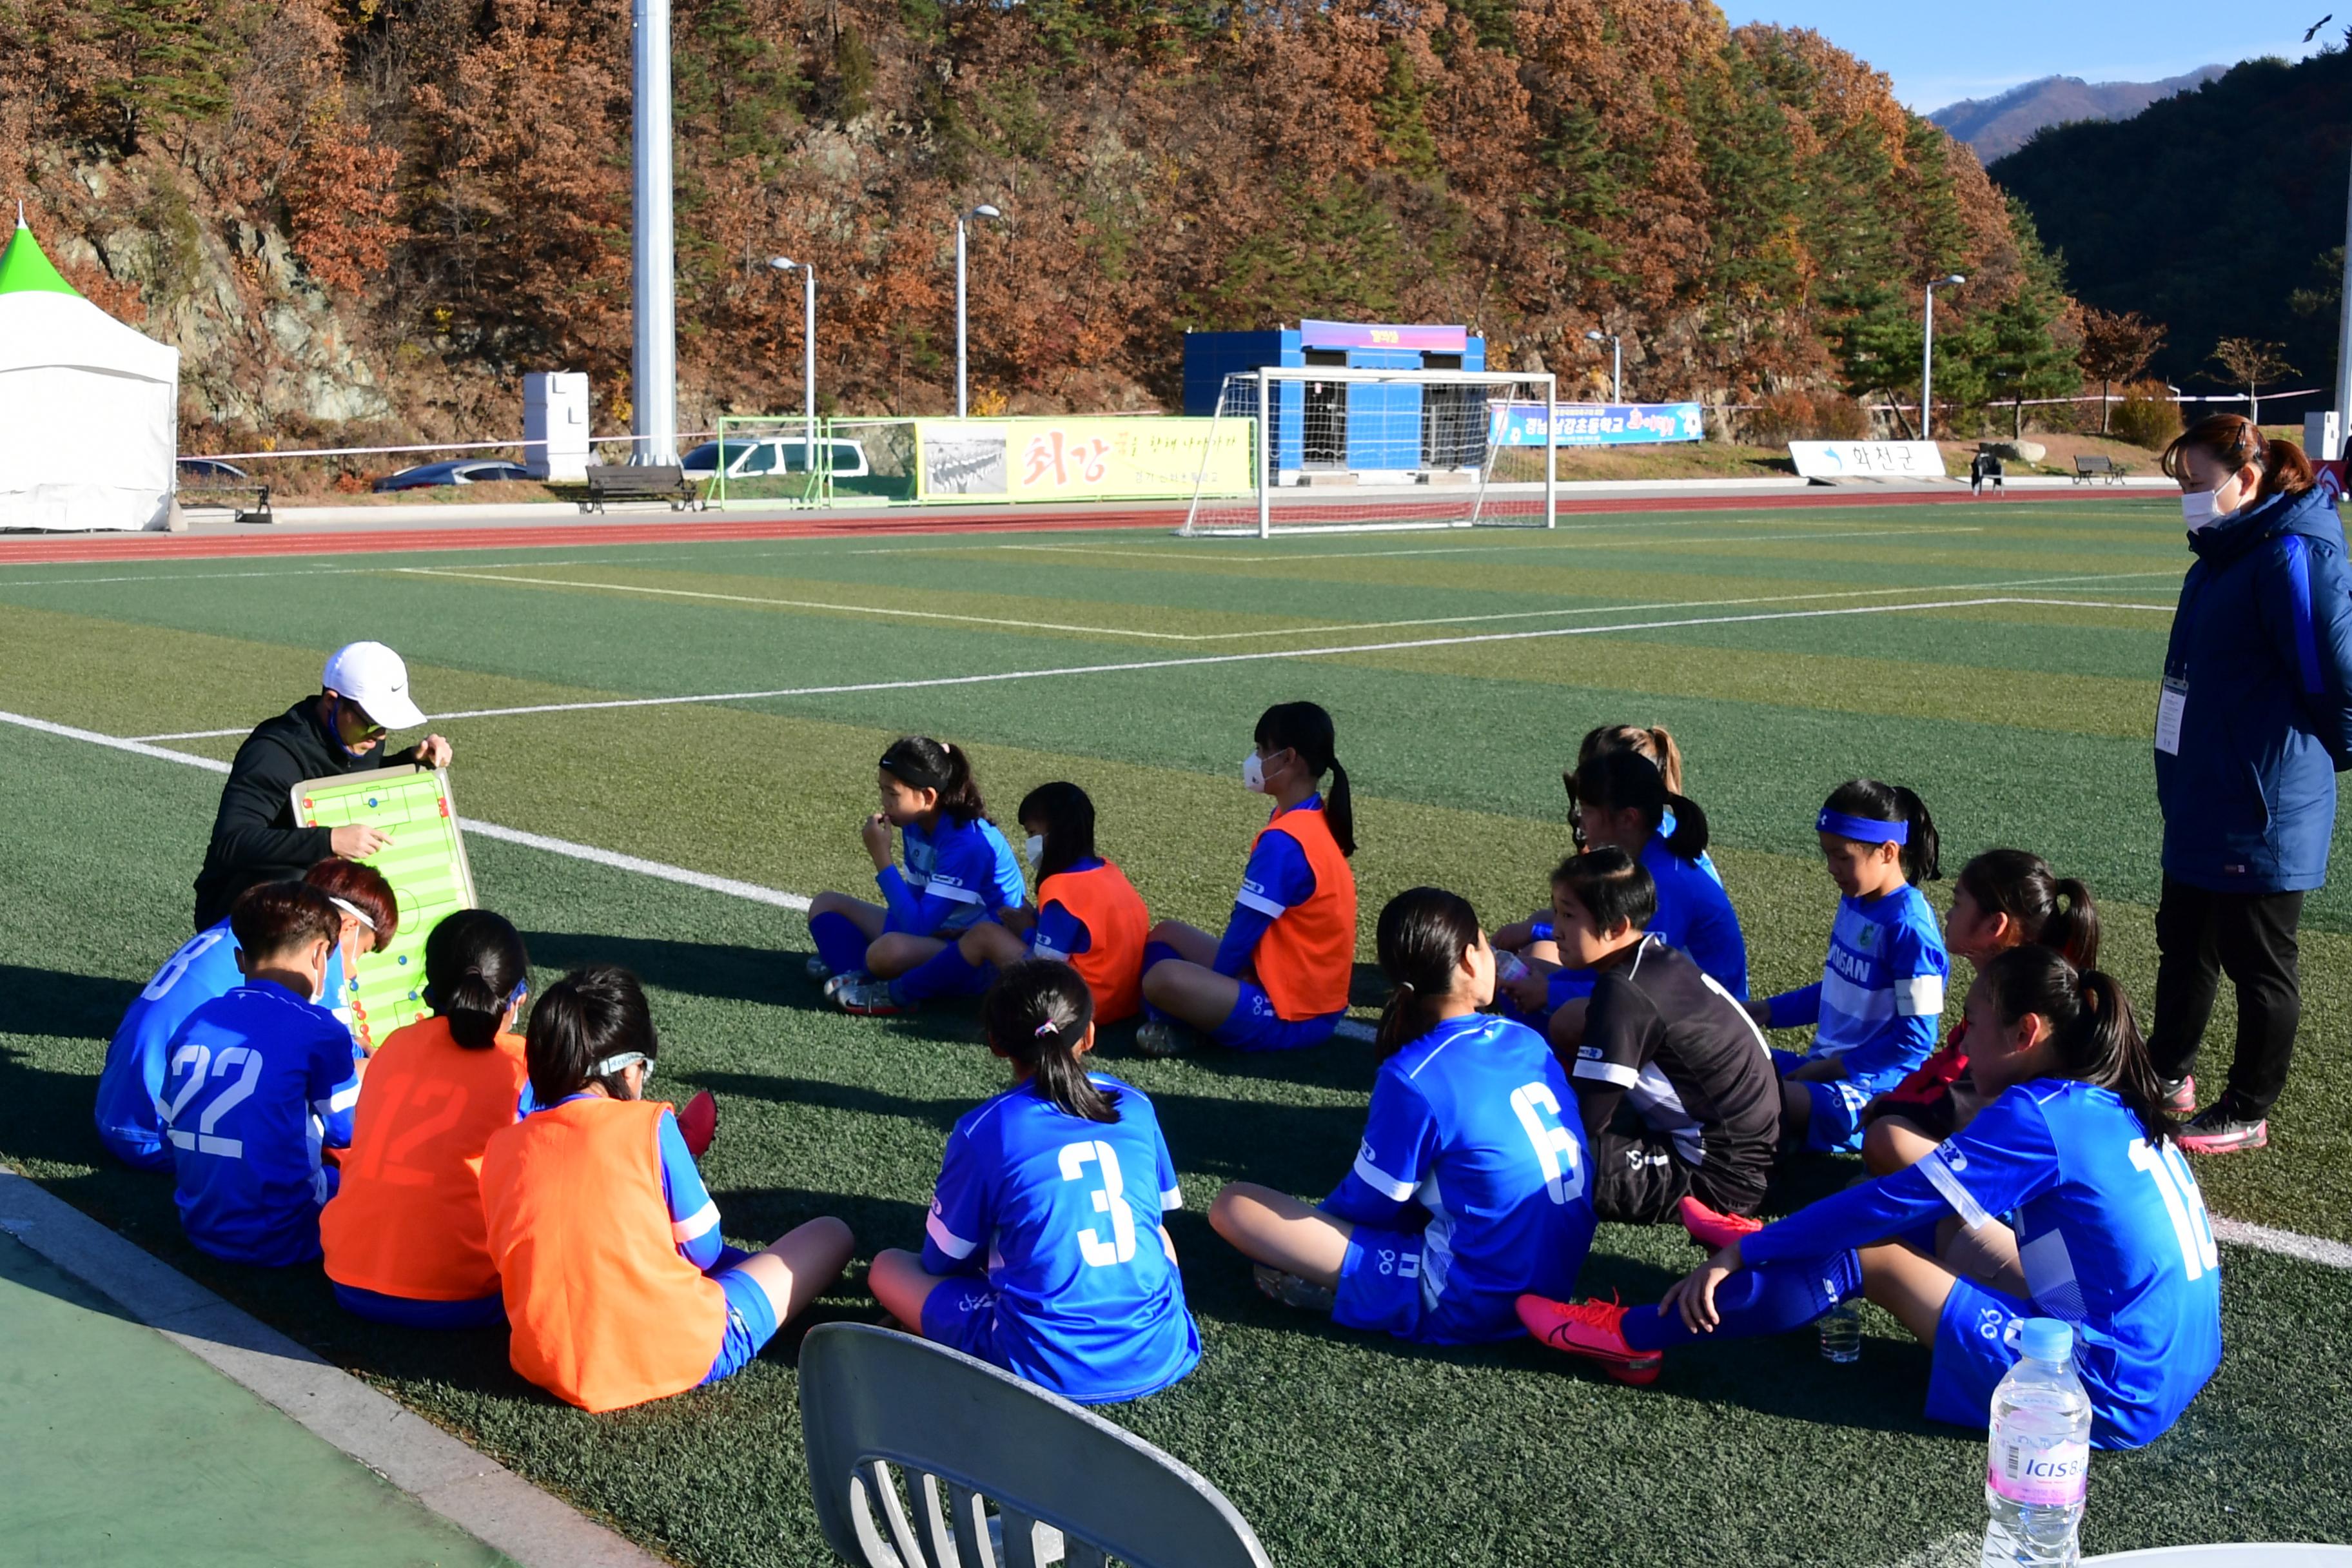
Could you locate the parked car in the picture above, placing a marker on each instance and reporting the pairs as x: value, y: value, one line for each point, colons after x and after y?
x: 752, y: 456
x: 212, y: 471
x: 477, y: 471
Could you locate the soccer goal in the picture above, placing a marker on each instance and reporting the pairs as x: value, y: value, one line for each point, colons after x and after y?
x: 763, y: 461
x: 1357, y: 451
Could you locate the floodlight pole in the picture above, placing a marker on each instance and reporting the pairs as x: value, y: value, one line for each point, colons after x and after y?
x: 1927, y: 359
x: 1616, y: 363
x: 653, y: 391
x: 2343, y: 342
x: 808, y: 351
x: 984, y: 210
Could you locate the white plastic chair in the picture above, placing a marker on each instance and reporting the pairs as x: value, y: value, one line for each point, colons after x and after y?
x: 1068, y: 1486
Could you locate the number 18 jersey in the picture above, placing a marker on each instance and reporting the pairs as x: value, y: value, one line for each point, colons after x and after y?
x: 1088, y: 1299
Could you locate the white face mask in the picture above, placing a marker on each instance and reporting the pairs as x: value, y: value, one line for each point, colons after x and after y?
x: 1254, y: 774
x: 1033, y: 849
x: 2201, y: 509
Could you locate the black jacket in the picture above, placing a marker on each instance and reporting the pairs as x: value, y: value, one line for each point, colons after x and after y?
x: 254, y: 838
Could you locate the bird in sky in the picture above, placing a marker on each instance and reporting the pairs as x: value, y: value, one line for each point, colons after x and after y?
x: 2313, y: 31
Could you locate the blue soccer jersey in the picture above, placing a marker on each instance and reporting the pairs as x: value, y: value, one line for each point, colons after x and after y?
x: 1475, y: 1123
x: 2111, y: 1232
x: 954, y: 875
x: 256, y: 1083
x: 1882, y: 989
x: 1063, y: 1215
x: 129, y: 1112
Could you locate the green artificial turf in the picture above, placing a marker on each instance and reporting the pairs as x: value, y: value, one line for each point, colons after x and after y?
x: 2023, y: 723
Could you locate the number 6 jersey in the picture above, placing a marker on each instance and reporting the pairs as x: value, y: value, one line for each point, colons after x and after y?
x: 1065, y: 1215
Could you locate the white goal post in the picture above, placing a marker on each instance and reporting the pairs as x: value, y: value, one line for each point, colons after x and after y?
x: 1338, y: 450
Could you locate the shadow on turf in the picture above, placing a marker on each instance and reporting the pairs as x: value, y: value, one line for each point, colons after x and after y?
x: 721, y: 971
x: 47, y: 1114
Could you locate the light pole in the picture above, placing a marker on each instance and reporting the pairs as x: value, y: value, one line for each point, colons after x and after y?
x: 1616, y: 362
x: 1927, y: 358
x: 653, y: 282
x: 984, y: 210
x: 808, y: 351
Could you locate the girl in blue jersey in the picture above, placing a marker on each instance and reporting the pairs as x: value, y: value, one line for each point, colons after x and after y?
x: 959, y: 869
x: 1470, y: 1186
x: 1045, y: 1253
x: 1881, y: 995
x: 2111, y: 1232
x: 130, y: 1086
x: 1656, y: 742
x: 257, y: 1082
x: 1621, y: 801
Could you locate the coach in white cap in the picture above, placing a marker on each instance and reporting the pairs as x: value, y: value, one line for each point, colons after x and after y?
x: 363, y: 696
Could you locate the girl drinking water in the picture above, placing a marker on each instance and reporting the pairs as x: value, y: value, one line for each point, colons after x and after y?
x: 1472, y: 1183
x: 959, y: 869
x: 2111, y: 1236
x: 1277, y: 979
x: 605, y: 1241
x: 1880, y: 993
x: 1044, y: 1253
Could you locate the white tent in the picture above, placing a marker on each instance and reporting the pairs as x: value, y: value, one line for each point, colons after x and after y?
x: 89, y: 409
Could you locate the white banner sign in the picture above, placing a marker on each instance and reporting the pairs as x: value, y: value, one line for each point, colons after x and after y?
x: 1868, y: 459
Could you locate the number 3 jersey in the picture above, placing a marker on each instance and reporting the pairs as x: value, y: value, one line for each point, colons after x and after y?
x: 255, y: 1083
x: 1474, y: 1125
x: 2111, y: 1231
x: 1063, y: 1213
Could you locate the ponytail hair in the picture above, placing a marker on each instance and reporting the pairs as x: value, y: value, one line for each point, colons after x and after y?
x: 1036, y: 1015
x: 581, y: 1022
x: 1424, y: 932
x: 1628, y: 780
x: 2056, y: 912
x: 2090, y: 1025
x: 2233, y: 441
x: 1306, y: 727
x: 474, y: 964
x: 1870, y: 801
x: 1069, y: 818
x: 1654, y: 743
x: 921, y: 762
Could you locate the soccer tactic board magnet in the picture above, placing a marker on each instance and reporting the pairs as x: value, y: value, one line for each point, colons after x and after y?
x: 425, y: 863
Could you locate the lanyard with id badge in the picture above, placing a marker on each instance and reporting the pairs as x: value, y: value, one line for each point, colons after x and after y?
x: 2169, y: 706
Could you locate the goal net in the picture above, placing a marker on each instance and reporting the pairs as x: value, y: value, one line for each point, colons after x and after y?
x: 1340, y: 450
x: 763, y: 461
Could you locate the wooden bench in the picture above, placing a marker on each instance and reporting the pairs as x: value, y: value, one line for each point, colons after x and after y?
x: 2091, y: 467
x: 201, y: 495
x: 635, y: 481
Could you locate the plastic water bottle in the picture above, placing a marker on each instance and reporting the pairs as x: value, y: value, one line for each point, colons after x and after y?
x: 1509, y: 966
x: 1841, y: 1334
x: 2038, y: 1455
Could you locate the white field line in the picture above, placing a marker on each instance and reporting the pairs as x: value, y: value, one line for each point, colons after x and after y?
x: 285, y: 571
x: 1582, y: 544
x: 1407, y: 645
x: 2237, y: 1233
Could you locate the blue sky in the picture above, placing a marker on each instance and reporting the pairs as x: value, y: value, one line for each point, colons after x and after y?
x: 1978, y: 47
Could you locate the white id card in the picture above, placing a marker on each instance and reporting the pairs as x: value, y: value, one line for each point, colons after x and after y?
x: 2168, y: 709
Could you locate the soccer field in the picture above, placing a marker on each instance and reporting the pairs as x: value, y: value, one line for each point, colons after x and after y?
x: 716, y: 708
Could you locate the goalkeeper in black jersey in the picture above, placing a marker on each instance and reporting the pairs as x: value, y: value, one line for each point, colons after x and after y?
x: 1672, y: 1078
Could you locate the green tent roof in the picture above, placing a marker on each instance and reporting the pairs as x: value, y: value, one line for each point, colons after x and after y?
x: 24, y: 270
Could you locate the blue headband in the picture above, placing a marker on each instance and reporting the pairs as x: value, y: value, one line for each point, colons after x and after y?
x: 1863, y: 829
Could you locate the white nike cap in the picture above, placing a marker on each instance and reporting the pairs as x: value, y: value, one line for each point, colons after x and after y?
x: 372, y: 675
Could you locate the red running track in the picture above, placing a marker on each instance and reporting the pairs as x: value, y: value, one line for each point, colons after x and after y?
x: 695, y: 529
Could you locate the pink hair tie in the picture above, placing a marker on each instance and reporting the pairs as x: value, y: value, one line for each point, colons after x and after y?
x: 1047, y: 1028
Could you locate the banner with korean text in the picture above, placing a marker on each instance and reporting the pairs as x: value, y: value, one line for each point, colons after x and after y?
x: 1082, y: 458
x: 1598, y: 423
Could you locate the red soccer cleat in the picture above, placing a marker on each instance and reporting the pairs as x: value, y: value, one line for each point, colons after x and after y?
x: 698, y: 1118
x: 1592, y: 1330
x: 1715, y: 1231
x: 2181, y: 1097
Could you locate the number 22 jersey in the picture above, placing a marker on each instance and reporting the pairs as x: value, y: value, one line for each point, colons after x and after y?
x: 1086, y: 1297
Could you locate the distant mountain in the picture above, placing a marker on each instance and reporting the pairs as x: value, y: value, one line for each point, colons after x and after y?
x: 1996, y: 127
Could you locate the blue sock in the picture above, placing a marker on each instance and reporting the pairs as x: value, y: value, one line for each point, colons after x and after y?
x: 1158, y: 952
x: 1769, y: 1298
x: 944, y: 973
x: 838, y: 942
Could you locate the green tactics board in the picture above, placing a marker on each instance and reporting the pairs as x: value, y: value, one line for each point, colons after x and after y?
x: 425, y: 863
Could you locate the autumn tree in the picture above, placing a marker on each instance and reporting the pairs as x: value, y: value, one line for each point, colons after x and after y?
x: 2117, y: 346
x: 2251, y: 361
